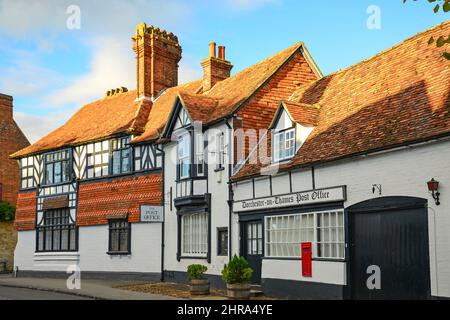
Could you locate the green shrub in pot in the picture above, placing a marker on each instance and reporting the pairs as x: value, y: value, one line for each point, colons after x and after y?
x: 237, y: 274
x: 198, y: 284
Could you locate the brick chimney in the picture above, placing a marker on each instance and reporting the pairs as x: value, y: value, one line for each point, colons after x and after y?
x: 157, y: 55
x: 6, y: 107
x: 215, y: 68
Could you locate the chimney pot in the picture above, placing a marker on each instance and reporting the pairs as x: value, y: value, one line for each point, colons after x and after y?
x: 222, y: 53
x: 212, y: 49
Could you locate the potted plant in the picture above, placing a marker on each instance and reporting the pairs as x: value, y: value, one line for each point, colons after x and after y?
x: 237, y: 275
x: 198, y: 284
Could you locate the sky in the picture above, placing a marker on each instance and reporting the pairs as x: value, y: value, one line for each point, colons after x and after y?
x: 57, y: 55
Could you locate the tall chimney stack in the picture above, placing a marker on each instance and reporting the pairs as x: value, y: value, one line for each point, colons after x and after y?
x: 215, y: 68
x: 6, y: 107
x: 158, y: 53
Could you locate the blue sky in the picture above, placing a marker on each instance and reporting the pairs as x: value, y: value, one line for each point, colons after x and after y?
x: 51, y: 71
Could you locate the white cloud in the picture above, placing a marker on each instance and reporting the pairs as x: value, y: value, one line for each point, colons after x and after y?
x: 35, y: 127
x: 112, y: 66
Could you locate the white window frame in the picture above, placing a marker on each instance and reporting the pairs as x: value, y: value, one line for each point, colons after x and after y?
x: 291, y: 248
x: 194, y: 234
x: 185, y: 158
x: 199, y: 155
x: 283, y: 149
x: 220, y: 151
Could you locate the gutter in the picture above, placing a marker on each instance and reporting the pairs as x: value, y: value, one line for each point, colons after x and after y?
x: 230, y: 192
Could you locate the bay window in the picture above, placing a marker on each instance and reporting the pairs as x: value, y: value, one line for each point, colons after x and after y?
x: 57, y: 167
x: 194, y: 234
x: 325, y: 230
x: 283, y: 145
x: 184, y: 155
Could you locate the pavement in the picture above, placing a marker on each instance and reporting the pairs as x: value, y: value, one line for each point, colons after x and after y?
x: 90, y: 289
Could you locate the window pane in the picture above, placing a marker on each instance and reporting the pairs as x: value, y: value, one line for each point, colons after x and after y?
x: 194, y: 234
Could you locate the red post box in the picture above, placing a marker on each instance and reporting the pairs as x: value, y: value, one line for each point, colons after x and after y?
x: 307, y: 259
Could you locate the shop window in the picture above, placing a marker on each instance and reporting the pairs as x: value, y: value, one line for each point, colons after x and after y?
x: 121, y: 156
x: 194, y: 234
x: 222, y: 239
x: 57, y: 167
x: 325, y: 230
x: 57, y: 233
x: 119, y: 237
x: 284, y: 145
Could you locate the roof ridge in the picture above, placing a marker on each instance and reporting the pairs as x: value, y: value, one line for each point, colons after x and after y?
x: 386, y: 50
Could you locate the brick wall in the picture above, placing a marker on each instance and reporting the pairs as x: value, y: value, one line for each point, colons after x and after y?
x: 260, y: 110
x: 99, y: 200
x: 11, y: 140
x: 8, y: 239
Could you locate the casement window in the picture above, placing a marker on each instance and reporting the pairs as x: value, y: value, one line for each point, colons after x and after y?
x: 57, y: 233
x: 121, y: 156
x: 119, y: 237
x: 325, y: 230
x: 283, y: 145
x: 199, y: 155
x: 97, y: 158
x: 57, y: 167
x: 194, y: 234
x: 220, y: 151
x: 254, y: 239
x: 222, y: 241
x: 27, y: 173
x: 184, y: 156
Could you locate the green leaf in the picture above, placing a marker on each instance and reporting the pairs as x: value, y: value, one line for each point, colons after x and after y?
x: 436, y: 8
x: 446, y: 6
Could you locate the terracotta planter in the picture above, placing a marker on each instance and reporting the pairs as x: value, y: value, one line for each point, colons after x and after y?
x: 199, y: 287
x: 238, y: 291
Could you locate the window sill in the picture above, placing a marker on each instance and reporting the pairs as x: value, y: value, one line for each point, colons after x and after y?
x: 56, y: 184
x: 194, y: 257
x: 219, y: 169
x: 117, y: 253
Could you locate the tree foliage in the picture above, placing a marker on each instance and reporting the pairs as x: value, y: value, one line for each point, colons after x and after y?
x: 443, y: 6
x: 7, y: 211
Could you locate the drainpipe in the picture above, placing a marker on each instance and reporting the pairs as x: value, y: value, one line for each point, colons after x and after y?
x: 230, y: 192
x: 164, y: 210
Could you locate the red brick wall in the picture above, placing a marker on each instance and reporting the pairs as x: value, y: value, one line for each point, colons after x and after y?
x: 11, y: 140
x: 98, y: 200
x: 26, y: 211
x: 259, y: 111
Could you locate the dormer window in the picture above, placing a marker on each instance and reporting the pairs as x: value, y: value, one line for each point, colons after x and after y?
x: 184, y: 155
x: 284, y: 145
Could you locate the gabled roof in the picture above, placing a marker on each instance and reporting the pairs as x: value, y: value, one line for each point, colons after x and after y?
x: 228, y: 95
x: 301, y: 113
x: 122, y: 114
x: 397, y: 97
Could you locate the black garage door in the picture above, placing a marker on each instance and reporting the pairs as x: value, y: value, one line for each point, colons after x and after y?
x: 388, y: 246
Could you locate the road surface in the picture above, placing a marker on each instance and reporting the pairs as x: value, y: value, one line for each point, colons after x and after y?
x: 8, y: 293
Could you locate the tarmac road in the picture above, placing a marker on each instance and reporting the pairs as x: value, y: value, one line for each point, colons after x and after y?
x: 8, y: 293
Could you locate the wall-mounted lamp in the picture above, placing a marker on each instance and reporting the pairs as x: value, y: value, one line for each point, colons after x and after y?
x: 433, y: 187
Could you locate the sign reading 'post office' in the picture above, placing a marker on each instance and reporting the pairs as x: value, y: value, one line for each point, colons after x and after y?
x: 292, y: 199
x: 152, y: 214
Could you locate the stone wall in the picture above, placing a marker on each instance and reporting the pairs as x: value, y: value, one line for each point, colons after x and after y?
x: 8, y: 240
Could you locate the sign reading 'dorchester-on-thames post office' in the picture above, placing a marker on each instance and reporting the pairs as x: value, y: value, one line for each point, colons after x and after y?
x: 293, y: 199
x: 152, y: 214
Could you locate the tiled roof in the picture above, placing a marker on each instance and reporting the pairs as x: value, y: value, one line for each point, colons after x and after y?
x: 302, y: 113
x: 102, y: 118
x: 161, y: 109
x: 399, y: 96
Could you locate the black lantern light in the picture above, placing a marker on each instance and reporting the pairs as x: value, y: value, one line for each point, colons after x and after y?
x: 433, y: 187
